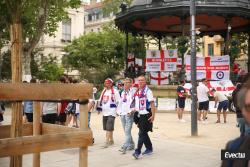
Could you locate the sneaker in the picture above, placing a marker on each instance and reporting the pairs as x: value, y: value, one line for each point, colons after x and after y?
x: 136, y: 155
x: 124, y: 151
x: 217, y: 122
x: 147, y: 152
x: 131, y: 148
x: 121, y: 149
x: 182, y: 120
x: 111, y: 143
x: 106, y: 145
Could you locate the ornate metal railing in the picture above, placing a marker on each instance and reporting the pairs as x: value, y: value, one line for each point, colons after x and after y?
x: 172, y: 3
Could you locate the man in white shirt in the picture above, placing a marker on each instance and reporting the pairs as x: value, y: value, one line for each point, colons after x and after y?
x: 223, y: 104
x: 108, y: 104
x: 127, y: 118
x: 144, y: 117
x: 203, y: 100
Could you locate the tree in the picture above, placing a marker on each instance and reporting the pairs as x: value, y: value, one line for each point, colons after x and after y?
x: 49, y: 69
x: 5, y: 71
x: 112, y: 6
x: 97, y: 55
x: 38, y: 17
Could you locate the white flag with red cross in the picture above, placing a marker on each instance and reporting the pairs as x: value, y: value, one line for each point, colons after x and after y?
x: 161, y: 60
x: 159, y: 78
x: 212, y: 68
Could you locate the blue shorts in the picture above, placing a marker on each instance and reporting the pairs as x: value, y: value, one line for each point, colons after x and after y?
x: 223, y: 105
x: 181, y: 103
x: 203, y: 106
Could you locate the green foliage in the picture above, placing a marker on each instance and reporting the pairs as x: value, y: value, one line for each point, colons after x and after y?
x: 49, y: 69
x: 110, y: 6
x: 182, y: 44
x: 97, y: 55
x: 5, y: 68
x: 234, y: 48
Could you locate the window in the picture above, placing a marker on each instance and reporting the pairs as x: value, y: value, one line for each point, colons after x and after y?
x: 66, y: 30
x: 210, y: 49
x: 97, y: 16
x: 89, y: 17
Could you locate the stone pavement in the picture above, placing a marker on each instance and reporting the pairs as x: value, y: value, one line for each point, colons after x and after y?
x: 173, y: 146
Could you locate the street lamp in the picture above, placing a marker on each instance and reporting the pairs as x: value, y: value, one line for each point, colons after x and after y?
x: 194, y: 128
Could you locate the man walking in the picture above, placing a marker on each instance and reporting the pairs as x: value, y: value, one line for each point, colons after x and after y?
x: 127, y: 117
x: 181, y: 97
x: 223, y: 104
x: 144, y: 117
x: 202, y: 95
x: 108, y: 104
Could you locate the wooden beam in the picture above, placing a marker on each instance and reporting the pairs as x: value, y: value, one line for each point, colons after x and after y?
x: 54, y: 91
x: 48, y: 129
x: 16, y: 68
x: 36, y: 130
x: 83, y: 152
x: 5, y: 130
x: 36, y: 144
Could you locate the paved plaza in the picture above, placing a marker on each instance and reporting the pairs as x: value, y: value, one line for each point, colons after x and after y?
x: 173, y: 145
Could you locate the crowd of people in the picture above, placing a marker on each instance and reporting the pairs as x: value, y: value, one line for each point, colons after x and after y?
x: 221, y: 103
x: 135, y: 105
x: 62, y: 113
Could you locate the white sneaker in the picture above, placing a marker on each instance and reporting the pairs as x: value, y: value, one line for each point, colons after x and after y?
x: 182, y: 121
x: 205, y: 122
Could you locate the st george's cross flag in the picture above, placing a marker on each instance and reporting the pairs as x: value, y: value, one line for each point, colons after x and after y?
x: 211, y: 68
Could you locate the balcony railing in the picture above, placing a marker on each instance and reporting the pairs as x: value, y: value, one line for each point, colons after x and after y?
x: 175, y: 3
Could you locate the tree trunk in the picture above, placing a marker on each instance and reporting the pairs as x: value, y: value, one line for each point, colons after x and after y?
x: 26, y: 74
x: 16, y: 67
x: 1, y: 65
x: 248, y: 53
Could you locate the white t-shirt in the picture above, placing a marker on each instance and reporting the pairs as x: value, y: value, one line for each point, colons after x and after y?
x: 106, y: 101
x: 77, y: 108
x: 125, y: 102
x: 202, y: 91
x: 141, y: 103
x: 49, y: 108
x: 221, y: 97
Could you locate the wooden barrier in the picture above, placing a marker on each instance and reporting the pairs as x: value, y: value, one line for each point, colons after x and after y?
x: 40, y: 137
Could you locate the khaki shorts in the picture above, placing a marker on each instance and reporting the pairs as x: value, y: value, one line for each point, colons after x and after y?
x: 108, y: 123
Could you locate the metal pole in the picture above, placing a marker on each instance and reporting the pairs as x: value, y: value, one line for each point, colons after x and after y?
x: 248, y: 62
x: 159, y: 43
x: 194, y: 128
x: 228, y: 36
x: 126, y: 55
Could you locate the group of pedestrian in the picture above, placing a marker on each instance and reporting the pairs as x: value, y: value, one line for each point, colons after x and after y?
x: 133, y: 106
x: 63, y: 113
x: 203, y: 94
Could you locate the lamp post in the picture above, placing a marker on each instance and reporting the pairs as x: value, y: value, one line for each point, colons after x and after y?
x: 194, y: 128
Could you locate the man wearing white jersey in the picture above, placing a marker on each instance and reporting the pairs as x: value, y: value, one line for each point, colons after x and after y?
x: 107, y: 105
x: 223, y: 104
x: 202, y: 95
x: 144, y: 117
x: 127, y: 117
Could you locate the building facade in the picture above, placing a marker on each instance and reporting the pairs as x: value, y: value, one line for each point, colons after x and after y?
x: 95, y: 18
x: 67, y: 30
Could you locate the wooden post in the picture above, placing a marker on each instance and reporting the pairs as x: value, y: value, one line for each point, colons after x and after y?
x: 16, y: 54
x: 83, y: 151
x: 36, y: 130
